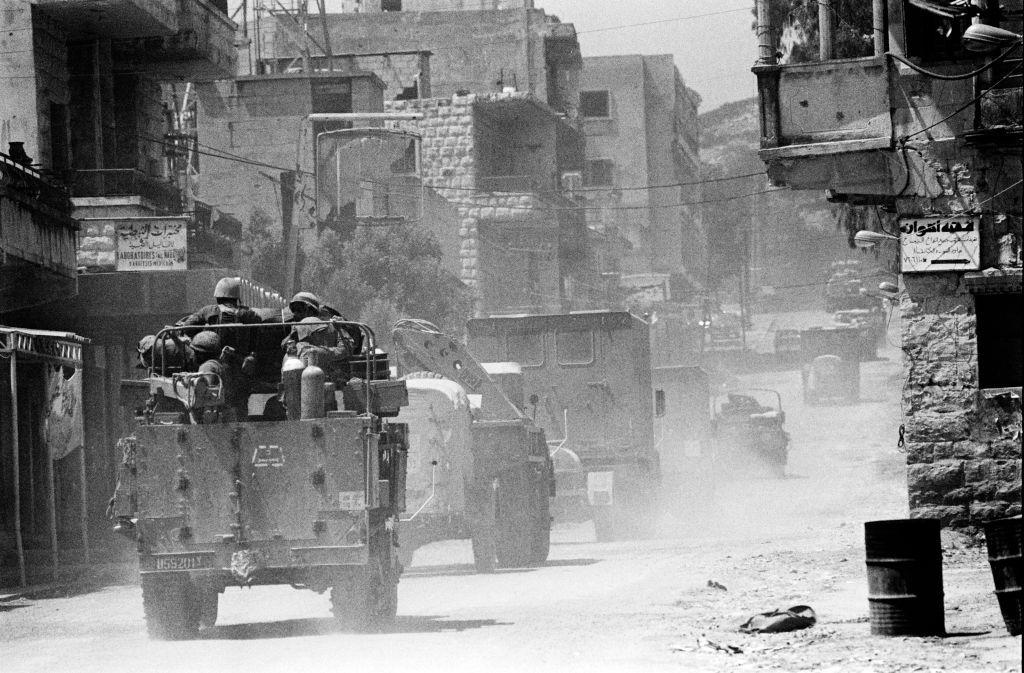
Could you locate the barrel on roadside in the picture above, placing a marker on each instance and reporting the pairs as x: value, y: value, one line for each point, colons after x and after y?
x: 1003, y: 537
x: 904, y: 563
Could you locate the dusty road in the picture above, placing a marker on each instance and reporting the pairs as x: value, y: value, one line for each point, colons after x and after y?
x: 625, y: 606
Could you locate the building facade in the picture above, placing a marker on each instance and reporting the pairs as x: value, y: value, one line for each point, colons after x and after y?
x: 640, y: 122
x: 500, y: 159
x: 911, y: 128
x: 458, y: 47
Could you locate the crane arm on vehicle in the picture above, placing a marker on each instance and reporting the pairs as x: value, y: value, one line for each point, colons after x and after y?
x: 420, y: 346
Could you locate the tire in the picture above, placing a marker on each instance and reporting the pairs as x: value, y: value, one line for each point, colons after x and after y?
x: 171, y: 606
x: 540, y: 542
x: 515, y: 519
x: 208, y: 601
x: 366, y: 599
x: 605, y: 529
x: 485, y: 552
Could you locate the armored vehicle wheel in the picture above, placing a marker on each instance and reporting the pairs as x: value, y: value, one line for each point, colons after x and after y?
x: 171, y: 607
x: 540, y: 543
x: 604, y: 523
x: 365, y: 600
x: 485, y: 553
x: 515, y: 519
x: 208, y: 601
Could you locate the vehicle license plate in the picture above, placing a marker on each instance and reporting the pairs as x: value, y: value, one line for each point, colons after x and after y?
x: 181, y: 561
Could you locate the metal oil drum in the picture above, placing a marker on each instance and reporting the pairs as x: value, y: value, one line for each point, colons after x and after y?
x: 1003, y: 537
x: 904, y: 565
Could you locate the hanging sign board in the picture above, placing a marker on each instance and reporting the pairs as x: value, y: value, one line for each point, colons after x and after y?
x: 943, y: 243
x: 152, y: 244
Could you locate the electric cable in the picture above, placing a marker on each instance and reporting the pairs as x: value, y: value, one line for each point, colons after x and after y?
x: 967, y: 75
x: 904, y: 139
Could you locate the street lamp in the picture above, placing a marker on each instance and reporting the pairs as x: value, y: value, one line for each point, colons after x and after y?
x: 981, y: 37
x: 869, y: 239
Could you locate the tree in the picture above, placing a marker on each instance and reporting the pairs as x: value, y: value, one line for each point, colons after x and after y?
x: 795, y: 24
x: 380, y: 274
x: 266, y: 251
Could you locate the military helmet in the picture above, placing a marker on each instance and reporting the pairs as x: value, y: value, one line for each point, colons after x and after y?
x: 228, y: 288
x: 307, y: 298
x: 307, y: 327
x: 206, y: 341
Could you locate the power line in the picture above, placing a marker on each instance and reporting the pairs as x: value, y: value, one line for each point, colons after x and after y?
x: 669, y: 20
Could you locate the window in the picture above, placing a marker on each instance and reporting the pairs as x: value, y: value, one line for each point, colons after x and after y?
x: 594, y: 103
x: 600, y: 173
x: 391, y: 5
x: 574, y: 347
x: 526, y: 348
x: 999, y: 340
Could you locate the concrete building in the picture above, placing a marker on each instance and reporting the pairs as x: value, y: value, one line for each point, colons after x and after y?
x: 640, y: 122
x: 500, y: 158
x: 944, y: 157
x: 456, y: 46
x: 81, y: 89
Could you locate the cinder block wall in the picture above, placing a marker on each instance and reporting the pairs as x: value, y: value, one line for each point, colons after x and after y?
x: 963, y: 443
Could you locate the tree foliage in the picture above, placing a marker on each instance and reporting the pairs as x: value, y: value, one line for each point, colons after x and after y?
x: 795, y: 28
x: 380, y: 274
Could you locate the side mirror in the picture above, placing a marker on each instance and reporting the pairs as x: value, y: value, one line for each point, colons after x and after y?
x: 659, y: 403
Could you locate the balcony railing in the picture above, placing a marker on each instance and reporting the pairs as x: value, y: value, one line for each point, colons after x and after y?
x: 121, y: 182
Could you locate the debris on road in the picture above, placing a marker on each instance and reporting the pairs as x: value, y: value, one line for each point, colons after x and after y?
x: 777, y: 621
x: 715, y: 585
x: 704, y: 643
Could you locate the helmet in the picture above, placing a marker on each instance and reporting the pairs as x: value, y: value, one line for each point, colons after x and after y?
x: 206, y: 341
x: 304, y: 331
x: 307, y: 298
x: 228, y: 288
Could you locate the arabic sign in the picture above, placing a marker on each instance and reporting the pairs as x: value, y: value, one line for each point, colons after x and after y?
x: 153, y: 244
x: 944, y: 243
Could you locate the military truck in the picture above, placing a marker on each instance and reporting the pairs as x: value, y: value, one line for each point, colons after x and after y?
x: 312, y: 502
x: 587, y: 382
x: 479, y: 467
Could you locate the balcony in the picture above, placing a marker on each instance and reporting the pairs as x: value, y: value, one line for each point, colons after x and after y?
x: 114, y: 18
x: 202, y: 46
x: 837, y: 123
x: 37, y: 238
x: 112, y: 183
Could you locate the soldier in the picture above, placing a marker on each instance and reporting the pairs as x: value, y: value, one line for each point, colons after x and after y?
x: 303, y: 305
x: 214, y: 359
x: 227, y: 309
x: 316, y: 343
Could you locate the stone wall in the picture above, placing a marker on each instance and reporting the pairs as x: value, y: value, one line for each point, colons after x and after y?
x: 491, y: 224
x: 963, y: 441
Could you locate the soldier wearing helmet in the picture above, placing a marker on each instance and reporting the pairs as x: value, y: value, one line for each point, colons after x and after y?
x: 325, y: 345
x: 227, y: 309
x: 220, y: 362
x: 303, y: 305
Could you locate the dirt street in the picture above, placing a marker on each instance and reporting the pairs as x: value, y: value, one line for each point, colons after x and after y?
x: 671, y: 603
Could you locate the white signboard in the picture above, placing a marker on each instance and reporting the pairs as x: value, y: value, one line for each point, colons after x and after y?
x: 152, y: 244
x: 945, y: 243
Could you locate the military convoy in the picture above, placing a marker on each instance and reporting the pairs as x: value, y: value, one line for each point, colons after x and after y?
x: 312, y: 501
x: 587, y: 381
x: 479, y: 467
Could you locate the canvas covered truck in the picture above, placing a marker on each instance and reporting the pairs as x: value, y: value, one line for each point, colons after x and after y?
x: 479, y: 467
x: 587, y: 382
x: 312, y: 501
